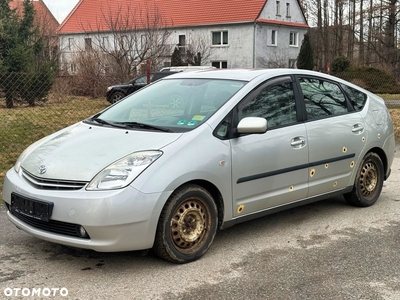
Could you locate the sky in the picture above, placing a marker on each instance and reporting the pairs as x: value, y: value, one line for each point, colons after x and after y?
x: 60, y: 8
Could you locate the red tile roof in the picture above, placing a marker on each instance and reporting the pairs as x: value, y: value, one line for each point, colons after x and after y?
x: 175, y: 13
x: 42, y: 15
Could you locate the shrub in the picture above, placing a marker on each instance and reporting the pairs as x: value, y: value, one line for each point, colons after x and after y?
x: 374, y: 80
x: 340, y: 64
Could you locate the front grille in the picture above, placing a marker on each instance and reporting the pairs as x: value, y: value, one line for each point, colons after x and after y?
x: 51, y: 226
x: 51, y: 184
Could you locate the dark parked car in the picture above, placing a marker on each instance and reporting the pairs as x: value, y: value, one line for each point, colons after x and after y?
x: 119, y: 91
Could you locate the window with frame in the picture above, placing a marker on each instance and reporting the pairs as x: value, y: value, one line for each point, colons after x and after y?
x: 292, y: 63
x: 274, y: 34
x: 123, y: 42
x: 220, y: 38
x: 278, y: 8
x: 322, y: 98
x: 287, y: 10
x: 220, y: 64
x: 88, y: 44
x: 106, y: 43
x: 275, y: 102
x: 182, y: 43
x: 73, y: 68
x: 70, y: 43
x: 143, y: 41
x: 356, y: 97
x: 294, y: 39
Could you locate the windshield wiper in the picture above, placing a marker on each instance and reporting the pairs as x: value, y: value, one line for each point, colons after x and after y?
x: 104, y: 122
x: 143, y: 126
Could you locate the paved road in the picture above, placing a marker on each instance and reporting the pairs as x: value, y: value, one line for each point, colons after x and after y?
x: 327, y: 250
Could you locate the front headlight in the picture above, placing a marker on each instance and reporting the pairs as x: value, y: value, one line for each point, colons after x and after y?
x: 124, y: 171
x: 109, y: 88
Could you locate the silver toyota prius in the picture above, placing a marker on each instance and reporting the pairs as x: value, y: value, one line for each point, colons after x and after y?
x: 195, y: 152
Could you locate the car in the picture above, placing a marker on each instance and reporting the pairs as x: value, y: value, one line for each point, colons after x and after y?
x: 245, y: 143
x: 119, y: 91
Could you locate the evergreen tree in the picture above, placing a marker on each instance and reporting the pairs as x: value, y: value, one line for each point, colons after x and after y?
x: 20, y: 46
x: 340, y: 64
x: 193, y: 59
x: 305, y: 59
x: 176, y: 58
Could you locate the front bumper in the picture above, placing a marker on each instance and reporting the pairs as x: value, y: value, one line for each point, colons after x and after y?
x: 117, y: 220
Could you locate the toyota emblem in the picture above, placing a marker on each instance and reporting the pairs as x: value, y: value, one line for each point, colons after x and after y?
x: 42, y: 169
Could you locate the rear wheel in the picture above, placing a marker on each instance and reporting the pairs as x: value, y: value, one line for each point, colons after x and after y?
x: 369, y: 181
x: 187, y: 225
x: 116, y: 97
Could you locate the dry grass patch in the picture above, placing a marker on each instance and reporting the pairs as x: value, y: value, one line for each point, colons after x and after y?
x: 395, y: 113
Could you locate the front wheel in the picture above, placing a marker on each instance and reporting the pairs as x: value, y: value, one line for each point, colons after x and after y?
x: 187, y: 225
x: 369, y: 182
x: 116, y: 97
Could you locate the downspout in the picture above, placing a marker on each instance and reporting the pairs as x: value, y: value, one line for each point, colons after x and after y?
x: 254, y: 43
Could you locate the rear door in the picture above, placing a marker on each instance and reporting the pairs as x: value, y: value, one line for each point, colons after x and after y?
x: 335, y: 133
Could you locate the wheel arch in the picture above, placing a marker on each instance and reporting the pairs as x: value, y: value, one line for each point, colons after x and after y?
x: 382, y: 156
x: 216, y: 195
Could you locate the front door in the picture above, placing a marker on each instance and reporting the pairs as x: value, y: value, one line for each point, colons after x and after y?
x: 270, y: 169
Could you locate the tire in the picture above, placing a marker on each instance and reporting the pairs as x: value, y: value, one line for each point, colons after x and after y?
x: 187, y: 225
x: 115, y: 97
x: 369, y: 182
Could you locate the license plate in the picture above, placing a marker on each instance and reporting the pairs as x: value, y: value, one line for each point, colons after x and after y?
x: 36, y: 209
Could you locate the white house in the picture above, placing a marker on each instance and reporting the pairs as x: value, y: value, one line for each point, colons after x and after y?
x: 233, y: 33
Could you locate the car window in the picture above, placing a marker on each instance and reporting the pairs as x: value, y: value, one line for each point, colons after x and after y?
x: 322, y: 98
x: 357, y: 98
x: 275, y: 102
x: 143, y: 79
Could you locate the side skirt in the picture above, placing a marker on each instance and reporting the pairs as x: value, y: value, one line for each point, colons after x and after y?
x: 273, y: 210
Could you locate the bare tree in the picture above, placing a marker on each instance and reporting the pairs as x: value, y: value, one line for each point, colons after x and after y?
x: 279, y: 59
x: 198, y: 50
x: 126, y: 37
x: 366, y: 32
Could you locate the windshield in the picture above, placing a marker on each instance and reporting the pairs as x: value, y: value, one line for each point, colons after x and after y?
x: 175, y: 105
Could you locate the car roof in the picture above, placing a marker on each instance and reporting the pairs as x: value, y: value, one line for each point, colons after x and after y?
x: 247, y: 74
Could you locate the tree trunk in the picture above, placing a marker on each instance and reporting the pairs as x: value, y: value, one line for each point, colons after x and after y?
x: 361, y: 42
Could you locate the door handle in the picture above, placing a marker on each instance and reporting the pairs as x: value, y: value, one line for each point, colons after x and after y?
x: 357, y: 128
x: 298, y: 142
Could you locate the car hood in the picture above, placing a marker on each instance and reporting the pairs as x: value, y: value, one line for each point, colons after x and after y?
x: 81, y: 151
x: 121, y: 85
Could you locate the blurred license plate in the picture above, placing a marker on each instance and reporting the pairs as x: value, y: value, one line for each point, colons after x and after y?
x: 36, y: 209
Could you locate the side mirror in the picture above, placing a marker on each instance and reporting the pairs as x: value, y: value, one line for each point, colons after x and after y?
x: 252, y: 125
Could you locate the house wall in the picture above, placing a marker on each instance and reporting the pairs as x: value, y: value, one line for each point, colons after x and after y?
x: 270, y: 12
x: 281, y: 54
x: 239, y: 51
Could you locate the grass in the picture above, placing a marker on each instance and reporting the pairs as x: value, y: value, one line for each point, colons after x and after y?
x: 395, y: 114
x: 390, y: 96
x: 22, y: 126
